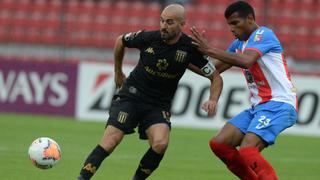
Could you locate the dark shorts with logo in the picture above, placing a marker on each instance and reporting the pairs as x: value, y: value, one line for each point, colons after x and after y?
x: 126, y: 114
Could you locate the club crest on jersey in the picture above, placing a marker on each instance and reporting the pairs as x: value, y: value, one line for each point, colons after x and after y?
x: 258, y: 36
x: 162, y: 64
x: 122, y: 117
x: 180, y: 56
x: 149, y: 50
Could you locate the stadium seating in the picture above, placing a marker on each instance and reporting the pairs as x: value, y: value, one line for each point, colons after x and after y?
x: 96, y: 23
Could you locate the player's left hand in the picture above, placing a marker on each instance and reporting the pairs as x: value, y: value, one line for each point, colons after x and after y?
x: 210, y: 107
x: 199, y: 40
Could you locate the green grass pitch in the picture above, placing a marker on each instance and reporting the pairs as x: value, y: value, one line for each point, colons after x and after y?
x: 188, y: 156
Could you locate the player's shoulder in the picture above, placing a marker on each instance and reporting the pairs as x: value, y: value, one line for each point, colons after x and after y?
x: 265, y: 39
x: 186, y: 39
x: 186, y: 42
x: 151, y: 34
x: 235, y: 44
x: 185, y: 45
x: 145, y: 34
x: 265, y: 32
x: 264, y: 28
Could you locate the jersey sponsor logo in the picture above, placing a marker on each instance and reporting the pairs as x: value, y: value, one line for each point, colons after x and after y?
x: 122, y: 117
x: 160, y: 74
x: 180, y: 56
x: 258, y: 36
x: 162, y: 64
x: 208, y: 69
x: 149, y: 50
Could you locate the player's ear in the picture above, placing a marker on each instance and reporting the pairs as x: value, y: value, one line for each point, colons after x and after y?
x: 182, y: 23
x: 250, y: 19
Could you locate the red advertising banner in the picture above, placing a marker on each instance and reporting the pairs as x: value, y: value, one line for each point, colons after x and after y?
x: 38, y: 87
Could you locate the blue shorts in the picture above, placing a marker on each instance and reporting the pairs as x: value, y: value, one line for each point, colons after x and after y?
x: 266, y: 120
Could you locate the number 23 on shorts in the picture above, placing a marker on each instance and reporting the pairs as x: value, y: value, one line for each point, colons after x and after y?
x: 263, y: 122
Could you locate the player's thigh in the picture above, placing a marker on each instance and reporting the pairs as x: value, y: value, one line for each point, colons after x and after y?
x: 271, y: 119
x: 149, y: 123
x: 123, y: 115
x: 229, y: 135
x: 233, y: 131
x: 158, y: 135
x: 253, y: 140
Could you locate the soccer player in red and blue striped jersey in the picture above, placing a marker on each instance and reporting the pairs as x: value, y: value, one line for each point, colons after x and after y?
x: 259, y: 53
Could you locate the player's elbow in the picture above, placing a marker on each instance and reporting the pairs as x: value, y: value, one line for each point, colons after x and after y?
x: 214, y: 77
x: 218, y: 80
x: 210, y: 77
x: 119, y: 44
x: 119, y: 39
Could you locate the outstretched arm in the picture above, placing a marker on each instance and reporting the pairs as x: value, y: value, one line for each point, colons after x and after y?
x: 210, y: 106
x: 119, y: 50
x: 219, y: 65
x: 245, y: 60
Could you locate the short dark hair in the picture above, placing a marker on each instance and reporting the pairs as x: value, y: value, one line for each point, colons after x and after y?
x: 243, y: 8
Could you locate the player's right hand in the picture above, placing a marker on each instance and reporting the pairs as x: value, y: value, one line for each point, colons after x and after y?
x: 210, y: 107
x: 119, y: 79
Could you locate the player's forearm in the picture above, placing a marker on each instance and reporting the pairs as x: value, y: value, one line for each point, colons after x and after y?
x: 221, y: 66
x: 118, y: 55
x: 216, y: 87
x: 239, y: 60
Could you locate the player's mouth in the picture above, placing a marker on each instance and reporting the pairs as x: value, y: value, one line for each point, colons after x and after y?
x: 164, y: 31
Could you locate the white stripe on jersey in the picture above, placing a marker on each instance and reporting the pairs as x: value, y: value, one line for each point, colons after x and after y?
x: 275, y: 71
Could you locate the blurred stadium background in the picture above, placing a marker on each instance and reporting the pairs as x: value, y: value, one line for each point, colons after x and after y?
x: 86, y: 29
x: 56, y: 69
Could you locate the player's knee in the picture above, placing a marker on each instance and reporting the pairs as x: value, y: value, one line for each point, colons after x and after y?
x: 252, y: 140
x: 160, y: 146
x: 109, y: 146
x: 110, y: 143
x: 217, y: 147
x: 214, y: 145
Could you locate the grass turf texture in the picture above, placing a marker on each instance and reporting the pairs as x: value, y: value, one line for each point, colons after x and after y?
x: 188, y: 156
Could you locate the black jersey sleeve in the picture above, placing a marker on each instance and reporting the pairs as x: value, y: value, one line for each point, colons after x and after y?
x: 203, y: 62
x: 137, y: 39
